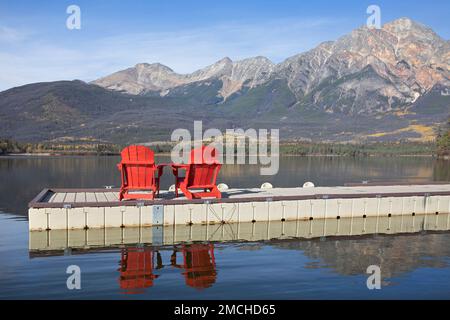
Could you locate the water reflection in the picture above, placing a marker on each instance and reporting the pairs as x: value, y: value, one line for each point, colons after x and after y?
x: 56, y: 242
x: 395, y: 255
x: 138, y: 266
x: 293, y: 257
x: 137, y: 269
x: 199, y: 265
x: 347, y: 246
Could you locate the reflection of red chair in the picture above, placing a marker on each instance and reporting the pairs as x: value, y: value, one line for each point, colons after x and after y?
x: 199, y: 265
x: 138, y: 173
x: 136, y: 270
x: 201, y: 173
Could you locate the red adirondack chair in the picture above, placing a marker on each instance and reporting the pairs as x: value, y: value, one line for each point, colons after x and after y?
x: 138, y: 173
x: 201, y: 174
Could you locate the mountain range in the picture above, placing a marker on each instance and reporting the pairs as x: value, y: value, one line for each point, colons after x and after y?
x: 370, y: 85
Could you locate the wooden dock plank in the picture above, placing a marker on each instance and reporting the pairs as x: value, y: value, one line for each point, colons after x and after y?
x: 101, y: 197
x: 80, y: 197
x: 59, y: 197
x: 111, y: 196
x: 70, y: 197
x: 90, y: 197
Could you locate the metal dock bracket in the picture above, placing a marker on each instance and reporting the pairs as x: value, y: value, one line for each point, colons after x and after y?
x: 158, y: 215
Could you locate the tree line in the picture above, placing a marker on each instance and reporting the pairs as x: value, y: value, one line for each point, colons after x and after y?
x: 9, y: 146
x: 443, y: 141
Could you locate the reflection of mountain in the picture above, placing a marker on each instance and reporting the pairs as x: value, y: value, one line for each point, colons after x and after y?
x: 24, y: 177
x: 332, y: 171
x: 394, y: 255
x: 441, y: 171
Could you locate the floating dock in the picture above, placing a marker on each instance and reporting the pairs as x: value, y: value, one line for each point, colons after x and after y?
x: 72, y: 209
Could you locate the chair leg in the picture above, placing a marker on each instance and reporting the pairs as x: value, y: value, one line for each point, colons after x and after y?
x: 155, y: 191
x: 215, y: 191
x: 186, y: 192
x: 177, y: 186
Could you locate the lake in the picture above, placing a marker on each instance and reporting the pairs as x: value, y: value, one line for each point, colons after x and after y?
x: 413, y: 265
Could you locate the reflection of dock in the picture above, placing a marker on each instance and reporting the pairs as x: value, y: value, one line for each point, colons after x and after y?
x: 99, y: 208
x: 58, y: 241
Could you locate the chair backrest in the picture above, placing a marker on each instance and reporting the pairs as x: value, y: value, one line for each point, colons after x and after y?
x: 203, y: 167
x: 138, y: 167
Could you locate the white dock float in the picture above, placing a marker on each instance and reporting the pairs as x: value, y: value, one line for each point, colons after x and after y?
x: 71, y: 209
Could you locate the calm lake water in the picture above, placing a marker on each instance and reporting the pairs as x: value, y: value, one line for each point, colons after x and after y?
x: 412, y: 265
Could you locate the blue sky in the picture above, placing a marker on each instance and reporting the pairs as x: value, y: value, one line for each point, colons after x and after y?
x: 35, y: 44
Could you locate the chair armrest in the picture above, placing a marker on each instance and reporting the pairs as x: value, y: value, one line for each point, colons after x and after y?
x: 176, y: 167
x: 179, y: 165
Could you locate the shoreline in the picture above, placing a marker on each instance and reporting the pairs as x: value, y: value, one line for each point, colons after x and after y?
x: 84, y: 154
x: 285, y: 149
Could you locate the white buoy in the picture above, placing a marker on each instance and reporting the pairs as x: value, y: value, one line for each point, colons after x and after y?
x: 308, y: 185
x: 222, y: 187
x: 266, y: 185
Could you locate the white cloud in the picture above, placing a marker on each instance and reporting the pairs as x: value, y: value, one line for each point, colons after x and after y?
x: 184, y: 51
x: 8, y: 35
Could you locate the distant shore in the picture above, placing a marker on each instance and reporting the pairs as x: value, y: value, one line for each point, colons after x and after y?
x: 290, y: 148
x: 168, y: 154
x: 25, y: 155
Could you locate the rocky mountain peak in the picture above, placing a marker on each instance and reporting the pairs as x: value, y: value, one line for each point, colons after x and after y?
x: 216, y: 70
x: 397, y: 64
x: 404, y: 26
x: 144, y: 77
x: 153, y: 66
x: 225, y: 60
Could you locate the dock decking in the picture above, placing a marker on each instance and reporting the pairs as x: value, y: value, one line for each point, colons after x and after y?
x: 100, y: 208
